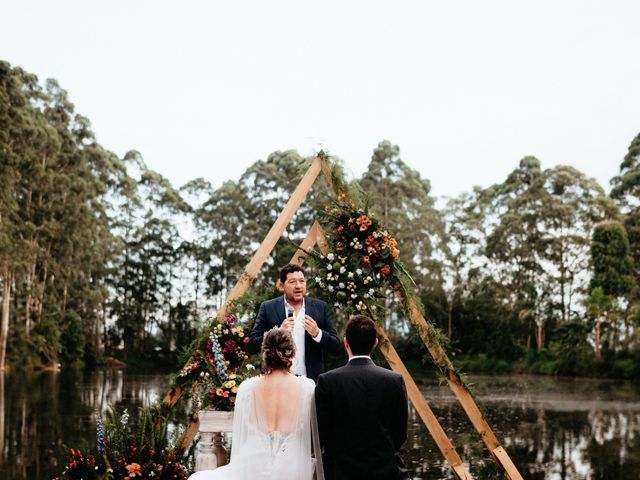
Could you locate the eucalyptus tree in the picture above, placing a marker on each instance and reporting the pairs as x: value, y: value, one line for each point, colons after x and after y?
x: 539, y: 247
x: 626, y: 194
x: 150, y: 261
x: 612, y: 278
x: 514, y: 243
x: 53, y: 224
x: 401, y: 199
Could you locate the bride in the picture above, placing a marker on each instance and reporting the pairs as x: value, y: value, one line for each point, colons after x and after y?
x: 275, y: 433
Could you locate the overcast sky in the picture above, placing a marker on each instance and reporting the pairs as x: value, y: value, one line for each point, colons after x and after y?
x: 465, y: 88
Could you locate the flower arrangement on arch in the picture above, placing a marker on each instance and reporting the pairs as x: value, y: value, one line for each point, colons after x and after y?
x: 358, y: 233
x: 362, y: 255
x: 216, y: 369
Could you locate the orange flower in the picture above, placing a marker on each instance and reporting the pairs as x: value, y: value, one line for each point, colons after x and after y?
x: 386, y: 270
x: 340, y: 229
x: 341, y: 196
x: 364, y: 222
x: 395, y: 252
x: 365, y: 260
x: 133, y: 469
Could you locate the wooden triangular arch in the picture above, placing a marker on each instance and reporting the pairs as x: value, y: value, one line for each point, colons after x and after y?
x: 316, y: 236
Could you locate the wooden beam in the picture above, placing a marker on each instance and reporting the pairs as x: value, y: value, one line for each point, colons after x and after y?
x: 461, y: 392
x: 252, y: 268
x: 422, y: 407
x: 273, y: 236
x: 307, y: 244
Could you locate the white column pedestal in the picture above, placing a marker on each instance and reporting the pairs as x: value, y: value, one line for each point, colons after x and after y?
x: 211, y: 453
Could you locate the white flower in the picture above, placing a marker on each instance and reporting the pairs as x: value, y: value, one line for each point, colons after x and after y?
x: 350, y: 275
x: 341, y: 285
x: 329, y: 276
x: 329, y: 266
x: 358, y: 272
x: 366, y: 295
x: 330, y: 256
x: 318, y: 279
x: 250, y: 367
x: 330, y: 288
x: 369, y: 279
x: 342, y: 269
x: 371, y: 291
x: 354, y: 295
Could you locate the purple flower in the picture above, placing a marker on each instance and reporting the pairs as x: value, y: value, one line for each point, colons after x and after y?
x: 229, y: 346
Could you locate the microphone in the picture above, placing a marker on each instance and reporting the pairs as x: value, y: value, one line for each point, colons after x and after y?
x: 289, y: 311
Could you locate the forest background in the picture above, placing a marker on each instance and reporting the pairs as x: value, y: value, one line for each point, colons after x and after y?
x: 101, y: 257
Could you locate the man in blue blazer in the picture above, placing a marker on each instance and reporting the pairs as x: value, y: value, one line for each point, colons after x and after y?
x: 309, y: 320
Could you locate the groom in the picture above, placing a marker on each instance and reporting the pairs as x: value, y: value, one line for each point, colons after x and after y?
x: 362, y: 412
x: 309, y: 320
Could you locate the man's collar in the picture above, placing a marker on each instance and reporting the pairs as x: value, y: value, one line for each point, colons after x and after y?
x: 284, y: 298
x: 360, y: 356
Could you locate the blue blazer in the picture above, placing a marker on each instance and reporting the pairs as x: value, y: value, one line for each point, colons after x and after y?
x: 272, y: 314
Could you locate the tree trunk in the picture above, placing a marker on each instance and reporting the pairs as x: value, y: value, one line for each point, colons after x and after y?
x: 450, y: 315
x: 597, y: 346
x: 4, y: 317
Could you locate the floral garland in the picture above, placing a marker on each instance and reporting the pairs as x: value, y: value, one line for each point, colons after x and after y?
x: 362, y: 255
x: 214, y: 372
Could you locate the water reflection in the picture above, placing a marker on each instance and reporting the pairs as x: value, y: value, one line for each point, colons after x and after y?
x: 45, y: 412
x: 552, y: 429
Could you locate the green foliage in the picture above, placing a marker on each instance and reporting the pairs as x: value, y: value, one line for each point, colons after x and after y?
x: 612, y: 263
x: 72, y: 339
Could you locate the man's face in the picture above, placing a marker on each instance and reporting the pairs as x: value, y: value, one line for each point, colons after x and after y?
x: 295, y: 287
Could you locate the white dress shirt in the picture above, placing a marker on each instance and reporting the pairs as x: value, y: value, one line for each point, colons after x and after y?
x: 299, y: 366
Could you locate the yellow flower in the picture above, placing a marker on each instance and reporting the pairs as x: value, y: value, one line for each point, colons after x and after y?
x: 229, y: 384
x: 232, y: 376
x: 234, y: 390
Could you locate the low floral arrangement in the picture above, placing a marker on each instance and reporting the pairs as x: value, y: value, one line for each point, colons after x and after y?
x: 215, y: 370
x: 121, y: 454
x: 361, y: 256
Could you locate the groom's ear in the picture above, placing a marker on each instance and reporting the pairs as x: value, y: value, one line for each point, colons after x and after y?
x: 280, y: 286
x: 375, y: 344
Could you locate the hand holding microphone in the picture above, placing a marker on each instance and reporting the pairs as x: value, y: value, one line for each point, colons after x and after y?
x: 289, y: 322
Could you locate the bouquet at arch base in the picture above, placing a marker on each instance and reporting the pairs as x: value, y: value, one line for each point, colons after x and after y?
x: 128, y: 452
x: 216, y: 368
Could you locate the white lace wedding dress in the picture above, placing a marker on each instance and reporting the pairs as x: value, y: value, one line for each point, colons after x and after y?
x: 290, y: 453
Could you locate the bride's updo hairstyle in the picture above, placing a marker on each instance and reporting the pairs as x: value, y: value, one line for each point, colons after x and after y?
x: 278, y: 350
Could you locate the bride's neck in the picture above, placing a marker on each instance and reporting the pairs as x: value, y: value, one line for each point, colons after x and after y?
x: 279, y: 373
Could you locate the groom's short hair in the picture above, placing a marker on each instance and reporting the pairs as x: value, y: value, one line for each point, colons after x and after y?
x: 361, y: 334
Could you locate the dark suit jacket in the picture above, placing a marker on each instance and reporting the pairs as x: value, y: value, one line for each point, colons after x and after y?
x: 272, y: 314
x: 362, y: 417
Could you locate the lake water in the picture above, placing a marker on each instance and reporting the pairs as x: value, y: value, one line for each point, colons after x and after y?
x: 551, y: 428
